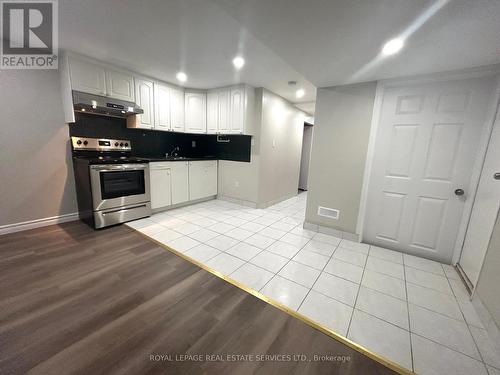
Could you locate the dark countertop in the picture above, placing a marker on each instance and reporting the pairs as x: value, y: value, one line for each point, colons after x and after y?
x: 179, y: 159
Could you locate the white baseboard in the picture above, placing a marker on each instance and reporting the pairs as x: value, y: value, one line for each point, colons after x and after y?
x: 332, y: 232
x: 237, y: 201
x: 25, y: 225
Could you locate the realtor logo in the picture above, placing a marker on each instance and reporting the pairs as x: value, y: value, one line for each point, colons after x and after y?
x: 29, y: 34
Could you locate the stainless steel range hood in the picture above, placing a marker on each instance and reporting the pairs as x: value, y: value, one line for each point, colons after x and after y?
x: 102, y: 105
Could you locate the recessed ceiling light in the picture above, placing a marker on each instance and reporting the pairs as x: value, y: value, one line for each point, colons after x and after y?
x: 393, y: 46
x: 238, y: 62
x: 299, y: 93
x: 181, y: 77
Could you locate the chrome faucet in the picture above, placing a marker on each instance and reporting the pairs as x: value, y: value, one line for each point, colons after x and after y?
x: 174, y: 152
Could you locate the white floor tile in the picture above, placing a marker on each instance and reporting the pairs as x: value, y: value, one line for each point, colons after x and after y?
x: 301, y: 274
x: 280, y: 225
x: 222, y: 242
x: 355, y: 246
x: 386, y: 254
x: 470, y: 314
x: 431, y: 358
x: 490, y: 354
x: 203, y: 235
x: 427, y: 279
x: 285, y: 291
x: 202, y: 252
x: 311, y: 259
x: 236, y: 221
x: 327, y: 311
x: 265, y: 221
x: 385, y: 284
x: 248, y: 216
x: 294, y: 239
x: 423, y: 264
x: 284, y: 249
x: 381, y: 337
x: 275, y: 234
x: 459, y: 290
x: 252, y: 227
x: 299, y: 231
x: 252, y: 276
x: 345, y: 270
x: 187, y: 228
x: 141, y: 223
x: 166, y: 235
x: 390, y: 309
x: 326, y: 238
x: 182, y: 244
x: 243, y: 251
x: 259, y: 241
x: 337, y: 288
x: 322, y: 248
x: 450, y: 272
x: 442, y: 303
x: 493, y: 371
x: 221, y: 227
x: 269, y: 261
x: 385, y: 267
x: 151, y: 229
x: 443, y: 330
x: 172, y: 222
x: 239, y: 234
x: 225, y: 263
x: 350, y: 256
x: 204, y: 222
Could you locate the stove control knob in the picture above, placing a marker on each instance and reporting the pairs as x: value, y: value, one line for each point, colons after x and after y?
x: 116, y: 144
x: 121, y: 144
x: 85, y: 143
x: 126, y: 144
x: 79, y: 142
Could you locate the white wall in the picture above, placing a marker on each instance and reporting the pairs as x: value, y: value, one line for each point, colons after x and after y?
x: 341, y: 132
x: 35, y: 161
x: 273, y: 173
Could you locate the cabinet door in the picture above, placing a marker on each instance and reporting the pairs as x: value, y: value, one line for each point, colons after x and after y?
x: 144, y: 90
x: 162, y: 106
x: 161, y: 188
x: 202, y: 179
x: 87, y: 77
x: 195, y: 112
x: 212, y: 112
x: 177, y: 109
x: 180, y: 181
x: 237, y: 109
x: 120, y: 85
x: 224, y: 111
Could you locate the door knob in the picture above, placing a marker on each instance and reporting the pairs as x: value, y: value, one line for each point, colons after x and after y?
x: 459, y: 192
x: 496, y: 176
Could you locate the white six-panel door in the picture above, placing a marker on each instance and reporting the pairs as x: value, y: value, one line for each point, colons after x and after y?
x: 426, y: 145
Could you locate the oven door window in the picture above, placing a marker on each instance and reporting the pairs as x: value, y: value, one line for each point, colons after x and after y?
x: 117, y: 184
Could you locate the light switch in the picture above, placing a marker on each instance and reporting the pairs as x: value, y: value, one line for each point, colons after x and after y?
x: 274, y: 143
x: 193, y: 144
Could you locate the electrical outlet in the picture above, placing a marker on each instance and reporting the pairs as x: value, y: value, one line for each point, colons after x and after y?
x: 252, y: 142
x: 193, y: 144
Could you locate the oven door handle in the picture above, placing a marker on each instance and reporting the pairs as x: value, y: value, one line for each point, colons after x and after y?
x: 112, y: 168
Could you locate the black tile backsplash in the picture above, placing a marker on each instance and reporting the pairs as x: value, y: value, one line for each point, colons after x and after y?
x: 152, y: 143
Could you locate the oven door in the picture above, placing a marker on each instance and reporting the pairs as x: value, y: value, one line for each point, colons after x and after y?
x: 116, y: 185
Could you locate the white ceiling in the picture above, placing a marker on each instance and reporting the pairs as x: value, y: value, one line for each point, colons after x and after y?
x: 333, y: 42
x: 315, y: 42
x: 160, y: 37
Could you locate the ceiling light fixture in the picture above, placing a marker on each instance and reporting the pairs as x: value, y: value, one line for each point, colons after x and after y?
x: 181, y: 77
x: 299, y: 93
x: 238, y: 62
x: 393, y: 46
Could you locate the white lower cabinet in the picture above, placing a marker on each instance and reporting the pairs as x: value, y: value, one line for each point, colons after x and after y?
x: 202, y: 179
x: 177, y: 182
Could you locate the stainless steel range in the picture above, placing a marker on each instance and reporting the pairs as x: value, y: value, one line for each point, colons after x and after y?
x: 112, y: 186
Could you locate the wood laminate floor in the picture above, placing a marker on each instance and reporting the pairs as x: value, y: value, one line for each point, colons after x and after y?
x: 78, y: 301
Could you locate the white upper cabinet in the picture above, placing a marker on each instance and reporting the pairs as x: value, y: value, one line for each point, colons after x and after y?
x: 238, y: 109
x: 162, y: 107
x: 177, y: 109
x: 224, y: 110
x: 212, y: 112
x: 94, y: 78
x: 195, y: 112
x: 120, y: 85
x: 87, y: 77
x: 144, y: 99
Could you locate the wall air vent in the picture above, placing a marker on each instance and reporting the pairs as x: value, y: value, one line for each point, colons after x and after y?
x: 330, y: 213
